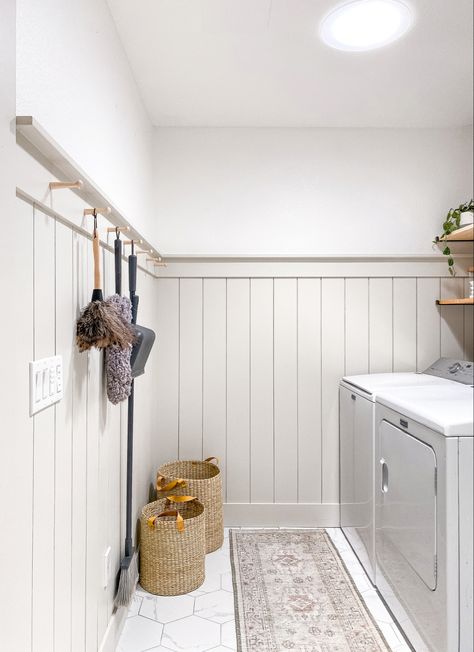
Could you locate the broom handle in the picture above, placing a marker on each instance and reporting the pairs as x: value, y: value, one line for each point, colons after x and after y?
x: 96, y: 252
x: 128, y: 522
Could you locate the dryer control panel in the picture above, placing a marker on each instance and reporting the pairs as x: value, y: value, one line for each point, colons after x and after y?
x: 461, y: 371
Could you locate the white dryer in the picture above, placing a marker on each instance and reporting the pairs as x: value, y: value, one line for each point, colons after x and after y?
x: 424, y: 509
x: 357, y: 396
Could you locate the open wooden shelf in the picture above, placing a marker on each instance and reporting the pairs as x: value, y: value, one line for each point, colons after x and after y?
x: 464, y: 234
x: 455, y: 302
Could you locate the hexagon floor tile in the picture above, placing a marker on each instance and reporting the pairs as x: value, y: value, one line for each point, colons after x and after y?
x: 191, y: 634
x: 217, y: 606
x: 140, y: 634
x: 165, y: 610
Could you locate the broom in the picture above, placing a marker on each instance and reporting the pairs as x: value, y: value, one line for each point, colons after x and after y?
x: 100, y: 324
x: 129, y: 565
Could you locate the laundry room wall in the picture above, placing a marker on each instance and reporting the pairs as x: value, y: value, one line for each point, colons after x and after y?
x: 68, y: 491
x: 74, y: 78
x: 11, y: 461
x: 299, y: 192
x: 258, y: 323
x: 250, y: 363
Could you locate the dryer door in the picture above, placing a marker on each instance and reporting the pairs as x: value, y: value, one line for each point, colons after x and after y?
x: 408, y: 501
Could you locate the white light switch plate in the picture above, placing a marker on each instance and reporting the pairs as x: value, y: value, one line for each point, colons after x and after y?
x: 46, y: 383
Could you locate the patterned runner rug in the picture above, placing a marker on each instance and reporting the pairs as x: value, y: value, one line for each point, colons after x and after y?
x: 292, y: 592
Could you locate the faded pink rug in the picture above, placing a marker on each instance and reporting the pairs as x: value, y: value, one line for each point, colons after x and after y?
x: 292, y: 592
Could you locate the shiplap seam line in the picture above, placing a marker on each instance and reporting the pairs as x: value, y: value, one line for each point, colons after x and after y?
x: 55, y: 419
x: 250, y: 390
x: 273, y: 385
x: 33, y: 428
x: 202, y: 368
x: 297, y: 395
x: 179, y: 367
x: 226, y: 382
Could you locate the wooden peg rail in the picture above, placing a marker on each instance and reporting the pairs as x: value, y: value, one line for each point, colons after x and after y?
x: 39, y: 144
x: 135, y: 242
x: 69, y: 185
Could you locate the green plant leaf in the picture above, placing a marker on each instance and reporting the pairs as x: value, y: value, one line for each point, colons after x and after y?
x: 450, y: 262
x: 446, y: 251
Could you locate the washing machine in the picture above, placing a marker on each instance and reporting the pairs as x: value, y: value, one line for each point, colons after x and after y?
x: 424, y: 509
x: 357, y: 396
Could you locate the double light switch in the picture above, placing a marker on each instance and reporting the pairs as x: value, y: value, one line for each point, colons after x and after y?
x: 46, y: 382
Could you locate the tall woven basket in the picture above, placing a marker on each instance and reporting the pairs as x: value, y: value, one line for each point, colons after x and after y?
x: 203, y: 480
x: 172, y: 547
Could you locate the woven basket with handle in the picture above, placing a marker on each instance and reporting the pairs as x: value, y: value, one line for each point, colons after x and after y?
x: 172, y: 545
x: 201, y: 478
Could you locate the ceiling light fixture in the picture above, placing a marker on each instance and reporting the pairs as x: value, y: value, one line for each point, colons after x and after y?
x: 365, y: 24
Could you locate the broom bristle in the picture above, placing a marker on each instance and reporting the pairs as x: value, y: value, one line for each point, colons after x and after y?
x: 127, y: 581
x: 100, y: 325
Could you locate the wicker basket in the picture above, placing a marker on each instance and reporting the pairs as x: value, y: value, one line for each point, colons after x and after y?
x: 172, y: 549
x: 203, y: 480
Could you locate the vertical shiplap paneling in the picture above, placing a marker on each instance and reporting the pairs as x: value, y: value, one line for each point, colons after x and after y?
x: 380, y: 325
x: 468, y: 325
x: 79, y: 454
x: 357, y: 326
x: 94, y: 426
x: 190, y: 369
x: 286, y: 390
x: 16, y: 480
x: 238, y: 391
x: 452, y: 319
x: 261, y: 382
x: 404, y: 324
x: 214, y: 371
x: 165, y: 442
x: 65, y: 316
x: 428, y: 322
x: 332, y: 346
x: 309, y: 391
x: 44, y: 435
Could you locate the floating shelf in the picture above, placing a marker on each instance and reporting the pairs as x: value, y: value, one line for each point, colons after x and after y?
x: 455, y: 302
x: 464, y: 234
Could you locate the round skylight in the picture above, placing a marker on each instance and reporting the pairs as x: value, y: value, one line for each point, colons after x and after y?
x: 365, y: 24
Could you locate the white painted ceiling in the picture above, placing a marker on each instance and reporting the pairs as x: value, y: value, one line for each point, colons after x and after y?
x: 261, y: 63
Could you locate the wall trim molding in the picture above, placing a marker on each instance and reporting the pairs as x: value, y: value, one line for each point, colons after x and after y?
x: 281, y: 515
x: 114, y: 630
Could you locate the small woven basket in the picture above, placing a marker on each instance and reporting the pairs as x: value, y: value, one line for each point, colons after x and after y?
x: 172, y: 549
x: 203, y: 480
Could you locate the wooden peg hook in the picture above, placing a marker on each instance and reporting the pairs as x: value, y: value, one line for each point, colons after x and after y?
x: 134, y: 242
x: 71, y: 185
x: 98, y: 211
x: 114, y: 229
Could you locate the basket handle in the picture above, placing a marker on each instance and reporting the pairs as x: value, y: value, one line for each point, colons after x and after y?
x: 213, y: 457
x: 180, y: 499
x: 161, y: 486
x: 169, y: 512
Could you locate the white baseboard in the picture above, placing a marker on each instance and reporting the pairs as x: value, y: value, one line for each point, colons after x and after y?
x: 281, y: 515
x: 114, y: 630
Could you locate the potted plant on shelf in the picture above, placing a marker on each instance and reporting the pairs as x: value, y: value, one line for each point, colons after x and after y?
x: 455, y: 219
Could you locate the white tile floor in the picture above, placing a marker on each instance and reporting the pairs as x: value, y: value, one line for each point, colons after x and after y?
x: 204, y: 619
